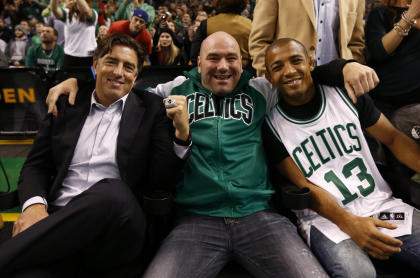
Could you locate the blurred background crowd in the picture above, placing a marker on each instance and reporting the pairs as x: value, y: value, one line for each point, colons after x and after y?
x: 56, y: 34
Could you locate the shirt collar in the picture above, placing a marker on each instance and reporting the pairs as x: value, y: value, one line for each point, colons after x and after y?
x: 95, y: 103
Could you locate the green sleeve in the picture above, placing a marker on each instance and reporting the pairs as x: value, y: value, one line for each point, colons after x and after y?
x: 123, y: 12
x: 94, y: 15
x: 64, y: 16
x: 30, y: 57
x: 150, y: 12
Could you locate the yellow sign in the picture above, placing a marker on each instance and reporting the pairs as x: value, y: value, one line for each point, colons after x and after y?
x: 19, y: 95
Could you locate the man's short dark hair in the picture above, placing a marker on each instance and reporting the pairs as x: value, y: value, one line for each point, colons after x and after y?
x: 282, y: 42
x: 106, y: 44
x: 230, y: 6
x: 54, y: 30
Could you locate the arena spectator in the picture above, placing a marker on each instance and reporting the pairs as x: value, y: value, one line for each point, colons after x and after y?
x: 228, y: 19
x: 393, y: 42
x: 57, y: 25
x: 165, y: 52
x: 6, y: 33
x: 186, y: 20
x: 3, y: 59
x: 102, y: 30
x: 165, y: 21
x: 136, y: 28
x: 48, y: 55
x: 328, y: 29
x: 16, y: 49
x: 30, y: 8
x: 109, y: 13
x: 25, y: 23
x: 79, y: 31
x: 10, y: 14
x: 127, y: 7
x: 36, y: 39
x: 3, y: 46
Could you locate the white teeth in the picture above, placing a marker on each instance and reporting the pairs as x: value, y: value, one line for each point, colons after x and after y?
x: 293, y: 82
x: 223, y: 77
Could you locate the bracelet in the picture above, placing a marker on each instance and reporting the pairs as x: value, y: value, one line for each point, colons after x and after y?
x: 400, y: 31
x: 410, y: 22
x: 185, y: 143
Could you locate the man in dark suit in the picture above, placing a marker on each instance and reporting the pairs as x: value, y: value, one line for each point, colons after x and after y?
x: 87, y: 170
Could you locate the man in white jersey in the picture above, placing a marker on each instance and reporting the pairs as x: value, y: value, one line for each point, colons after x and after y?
x: 321, y: 130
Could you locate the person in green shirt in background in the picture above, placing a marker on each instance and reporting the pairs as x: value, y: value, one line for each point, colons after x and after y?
x: 48, y: 55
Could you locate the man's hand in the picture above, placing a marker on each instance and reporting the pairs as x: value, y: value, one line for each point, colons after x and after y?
x: 67, y: 87
x: 30, y: 216
x: 178, y: 112
x: 364, y: 232
x: 359, y: 79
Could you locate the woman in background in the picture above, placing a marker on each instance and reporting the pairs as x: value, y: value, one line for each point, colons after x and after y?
x: 79, y: 31
x: 393, y: 42
x: 166, y: 53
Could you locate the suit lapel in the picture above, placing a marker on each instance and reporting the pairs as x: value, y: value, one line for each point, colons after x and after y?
x: 73, y: 120
x: 130, y: 122
x: 75, y: 117
x: 308, y: 5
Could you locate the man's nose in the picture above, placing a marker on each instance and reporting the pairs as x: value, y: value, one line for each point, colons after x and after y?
x: 118, y: 69
x: 222, y: 65
x: 289, y: 69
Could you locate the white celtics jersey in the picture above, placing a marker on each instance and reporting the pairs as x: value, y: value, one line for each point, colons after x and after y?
x: 331, y: 152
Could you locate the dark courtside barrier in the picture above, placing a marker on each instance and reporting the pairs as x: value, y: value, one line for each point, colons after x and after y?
x: 22, y: 100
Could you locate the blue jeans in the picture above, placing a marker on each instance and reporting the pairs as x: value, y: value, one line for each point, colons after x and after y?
x: 346, y: 259
x: 265, y: 243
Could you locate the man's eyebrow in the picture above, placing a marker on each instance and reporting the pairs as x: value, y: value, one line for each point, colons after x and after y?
x: 296, y: 56
x: 276, y: 63
x: 111, y: 58
x: 213, y: 54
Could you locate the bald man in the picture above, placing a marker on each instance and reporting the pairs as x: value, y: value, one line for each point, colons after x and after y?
x: 223, y: 199
x: 225, y: 193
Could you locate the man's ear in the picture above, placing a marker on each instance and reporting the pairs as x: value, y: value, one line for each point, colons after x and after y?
x: 199, y: 64
x: 268, y: 77
x: 311, y: 63
x: 94, y: 66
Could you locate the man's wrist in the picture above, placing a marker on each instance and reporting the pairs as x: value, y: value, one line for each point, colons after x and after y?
x: 184, y: 139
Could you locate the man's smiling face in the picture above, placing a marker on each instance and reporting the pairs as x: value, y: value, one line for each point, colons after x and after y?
x: 289, y: 70
x: 116, y: 73
x: 220, y: 63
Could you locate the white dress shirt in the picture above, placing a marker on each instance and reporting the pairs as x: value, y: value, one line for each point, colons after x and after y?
x: 94, y: 157
x: 327, y: 26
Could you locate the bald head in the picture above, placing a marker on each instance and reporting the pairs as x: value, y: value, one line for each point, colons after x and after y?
x: 220, y: 63
x: 217, y: 37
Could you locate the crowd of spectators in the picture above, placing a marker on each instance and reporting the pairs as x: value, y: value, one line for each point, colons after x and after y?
x: 171, y: 32
x: 166, y: 29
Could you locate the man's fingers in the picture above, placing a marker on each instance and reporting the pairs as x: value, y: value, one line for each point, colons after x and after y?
x: 365, y: 84
x: 14, y: 231
x: 385, y: 247
x: 357, y: 88
x: 376, y: 252
x: 371, y: 81
x: 51, y: 100
x: 72, y: 97
x: 350, y: 92
x: 384, y: 224
x: 375, y: 78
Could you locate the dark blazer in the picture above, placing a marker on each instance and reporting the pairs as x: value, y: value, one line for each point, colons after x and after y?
x: 145, y: 155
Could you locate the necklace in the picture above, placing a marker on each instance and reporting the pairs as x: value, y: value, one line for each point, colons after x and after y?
x: 48, y: 56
